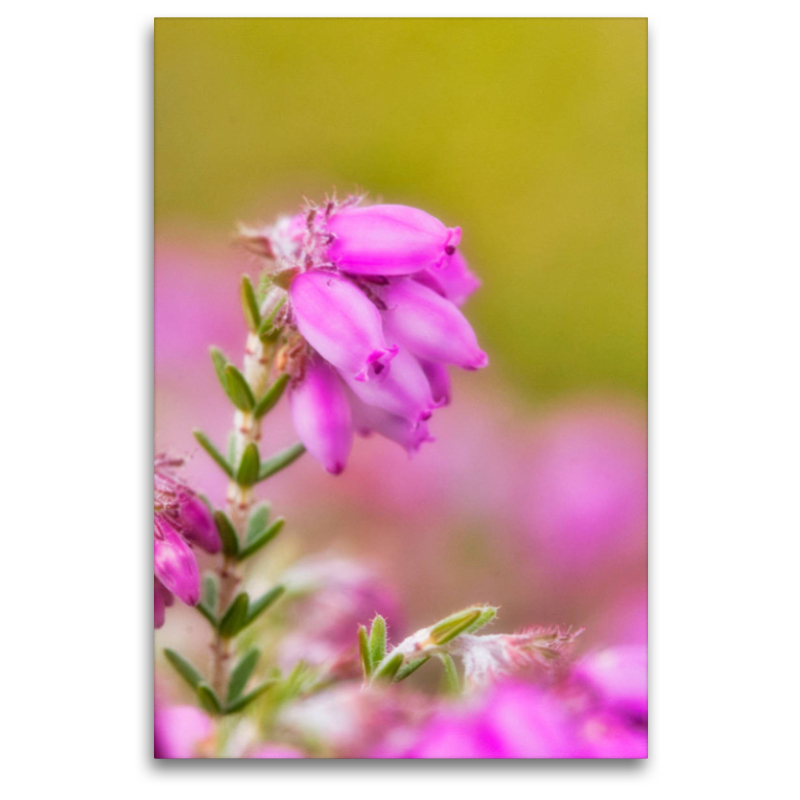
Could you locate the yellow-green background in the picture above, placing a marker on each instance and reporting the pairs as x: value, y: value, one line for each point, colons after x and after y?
x: 530, y: 134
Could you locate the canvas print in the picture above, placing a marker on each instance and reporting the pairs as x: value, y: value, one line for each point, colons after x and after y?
x: 400, y: 462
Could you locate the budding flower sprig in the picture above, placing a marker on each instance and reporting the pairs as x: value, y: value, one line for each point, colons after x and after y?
x: 484, y: 658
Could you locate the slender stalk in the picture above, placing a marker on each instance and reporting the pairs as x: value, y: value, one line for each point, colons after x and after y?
x: 257, y: 367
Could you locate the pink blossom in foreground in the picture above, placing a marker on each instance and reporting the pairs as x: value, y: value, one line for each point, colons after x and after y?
x: 180, y: 732
x: 181, y: 521
x: 373, y: 295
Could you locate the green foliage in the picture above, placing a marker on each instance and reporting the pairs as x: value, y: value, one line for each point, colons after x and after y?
x: 220, y: 460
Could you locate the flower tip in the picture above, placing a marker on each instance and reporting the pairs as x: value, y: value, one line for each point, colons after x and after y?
x: 337, y: 468
x: 479, y: 362
x: 377, y: 363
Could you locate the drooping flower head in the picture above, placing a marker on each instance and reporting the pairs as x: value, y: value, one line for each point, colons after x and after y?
x: 181, y: 521
x: 371, y: 318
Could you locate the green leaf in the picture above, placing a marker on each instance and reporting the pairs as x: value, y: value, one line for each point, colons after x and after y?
x: 389, y: 668
x: 411, y: 667
x: 241, y: 673
x: 452, y: 681
x: 249, y: 305
x: 247, y: 474
x: 220, y: 361
x: 485, y: 617
x: 207, y: 613
x: 280, y: 461
x: 227, y: 534
x: 264, y: 329
x: 209, y: 595
x: 364, y: 651
x: 238, y: 389
x: 271, y: 397
x: 184, y: 668
x: 447, y: 629
x: 262, y: 604
x: 205, y: 443
x: 265, y: 538
x: 232, y: 447
x: 209, y: 700
x: 233, y: 619
x: 377, y: 640
x: 243, y: 702
x: 259, y: 519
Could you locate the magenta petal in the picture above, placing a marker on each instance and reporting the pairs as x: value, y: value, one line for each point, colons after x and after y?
x: 175, y: 564
x: 439, y: 379
x: 430, y: 326
x: 370, y: 419
x: 161, y: 599
x: 198, y: 524
x: 452, y: 280
x: 178, y: 730
x: 389, y: 240
x: 338, y: 320
x: 405, y: 391
x: 321, y: 416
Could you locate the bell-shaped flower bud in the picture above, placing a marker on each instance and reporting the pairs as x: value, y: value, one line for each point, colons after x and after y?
x: 430, y: 326
x: 175, y: 564
x: 452, y: 280
x: 405, y: 392
x: 162, y: 598
x: 369, y: 419
x: 389, y: 240
x: 198, y: 524
x: 321, y: 416
x: 439, y: 379
x: 340, y: 322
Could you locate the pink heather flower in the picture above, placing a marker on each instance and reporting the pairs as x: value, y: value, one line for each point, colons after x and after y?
x: 180, y: 520
x: 180, y: 732
x: 389, y: 240
x: 512, y: 720
x: 321, y: 415
x: 373, y: 292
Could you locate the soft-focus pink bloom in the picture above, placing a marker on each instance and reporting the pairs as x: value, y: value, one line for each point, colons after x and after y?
x: 334, y: 596
x: 347, y: 272
x: 179, y: 731
x: 276, y: 751
x: 430, y: 326
x: 389, y: 240
x: 582, y: 488
x: 617, y: 679
x: 452, y: 280
x: 512, y: 720
x: 371, y: 419
x: 340, y: 322
x: 321, y: 415
x: 180, y: 520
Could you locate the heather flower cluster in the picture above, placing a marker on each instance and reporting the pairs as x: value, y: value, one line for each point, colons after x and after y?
x: 357, y: 318
x: 182, y: 521
x: 370, y: 296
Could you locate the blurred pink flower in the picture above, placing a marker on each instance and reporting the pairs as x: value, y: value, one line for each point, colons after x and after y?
x: 181, y: 520
x: 276, y: 751
x: 582, y: 488
x: 334, y: 596
x: 180, y: 731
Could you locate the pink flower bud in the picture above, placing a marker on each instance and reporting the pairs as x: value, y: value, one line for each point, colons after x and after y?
x: 439, y: 380
x: 452, y: 280
x: 321, y: 416
x: 175, y: 564
x: 162, y: 598
x: 430, y: 326
x: 389, y: 240
x: 404, y: 392
x: 341, y: 324
x: 369, y: 419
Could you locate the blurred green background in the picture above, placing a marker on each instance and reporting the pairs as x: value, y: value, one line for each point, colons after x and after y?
x: 531, y: 134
